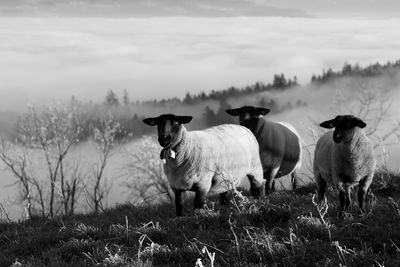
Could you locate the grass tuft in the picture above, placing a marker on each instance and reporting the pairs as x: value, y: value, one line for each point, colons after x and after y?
x: 284, y: 229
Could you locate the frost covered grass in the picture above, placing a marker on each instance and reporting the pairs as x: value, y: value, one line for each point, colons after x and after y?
x: 285, y: 229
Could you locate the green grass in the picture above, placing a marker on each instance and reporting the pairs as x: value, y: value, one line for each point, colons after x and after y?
x: 285, y: 229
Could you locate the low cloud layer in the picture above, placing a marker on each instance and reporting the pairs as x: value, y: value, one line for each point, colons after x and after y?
x: 164, y: 57
x: 207, y: 8
x: 144, y: 8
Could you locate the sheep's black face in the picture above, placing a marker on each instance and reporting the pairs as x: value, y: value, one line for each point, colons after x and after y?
x: 344, y: 127
x: 169, y: 127
x: 168, y: 130
x: 247, y: 112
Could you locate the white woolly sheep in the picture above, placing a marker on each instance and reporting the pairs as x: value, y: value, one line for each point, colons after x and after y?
x: 201, y: 161
x: 280, y: 144
x: 343, y: 158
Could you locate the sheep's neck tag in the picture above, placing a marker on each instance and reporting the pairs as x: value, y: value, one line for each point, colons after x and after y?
x: 167, y: 153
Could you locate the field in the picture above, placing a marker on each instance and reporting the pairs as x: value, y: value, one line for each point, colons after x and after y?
x: 285, y: 229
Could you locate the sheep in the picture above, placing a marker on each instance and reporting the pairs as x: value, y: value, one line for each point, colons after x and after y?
x: 202, y: 161
x: 343, y: 158
x: 280, y: 144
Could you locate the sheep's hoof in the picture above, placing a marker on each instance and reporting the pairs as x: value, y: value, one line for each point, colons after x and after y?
x: 361, y: 213
x: 341, y: 215
x: 344, y: 215
x: 224, y: 198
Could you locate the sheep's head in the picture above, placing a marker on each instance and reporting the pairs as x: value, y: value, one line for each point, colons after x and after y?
x: 169, y: 127
x: 345, y: 126
x: 247, y: 112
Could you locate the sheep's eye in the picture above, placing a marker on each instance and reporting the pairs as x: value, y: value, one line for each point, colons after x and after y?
x: 175, y: 123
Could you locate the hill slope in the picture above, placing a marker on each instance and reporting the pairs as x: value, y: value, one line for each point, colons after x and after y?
x: 284, y: 229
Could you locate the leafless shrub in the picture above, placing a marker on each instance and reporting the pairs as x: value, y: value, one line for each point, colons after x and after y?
x: 147, y: 181
x: 17, y: 160
x: 46, y: 135
x: 97, y: 187
x: 370, y: 102
x: 71, y: 186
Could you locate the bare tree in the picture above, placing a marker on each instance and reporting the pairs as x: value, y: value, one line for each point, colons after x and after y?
x: 49, y: 134
x: 71, y: 186
x: 104, y: 136
x: 367, y: 99
x: 145, y: 171
x: 372, y: 104
x: 17, y: 159
x: 53, y: 132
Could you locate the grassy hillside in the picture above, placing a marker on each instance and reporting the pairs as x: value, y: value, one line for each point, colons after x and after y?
x: 285, y: 229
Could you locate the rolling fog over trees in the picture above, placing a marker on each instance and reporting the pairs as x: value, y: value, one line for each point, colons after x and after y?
x: 211, y: 106
x: 129, y: 114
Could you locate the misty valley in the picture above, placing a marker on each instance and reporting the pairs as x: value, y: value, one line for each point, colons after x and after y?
x: 109, y: 138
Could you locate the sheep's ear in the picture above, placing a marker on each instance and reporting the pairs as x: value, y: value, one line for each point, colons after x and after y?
x: 328, y: 124
x: 358, y: 122
x: 262, y: 111
x: 151, y: 121
x: 184, y: 119
x: 233, y: 112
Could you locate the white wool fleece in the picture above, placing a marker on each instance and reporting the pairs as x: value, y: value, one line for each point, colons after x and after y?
x: 209, y: 157
x: 344, y: 164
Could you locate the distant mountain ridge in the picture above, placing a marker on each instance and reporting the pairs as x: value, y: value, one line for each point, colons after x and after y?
x: 144, y: 8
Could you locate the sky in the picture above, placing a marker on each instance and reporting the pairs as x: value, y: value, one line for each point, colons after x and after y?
x: 45, y: 55
x: 196, y: 7
x: 143, y: 8
x: 318, y: 7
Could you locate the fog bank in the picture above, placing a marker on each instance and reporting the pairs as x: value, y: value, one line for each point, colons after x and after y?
x: 52, y: 58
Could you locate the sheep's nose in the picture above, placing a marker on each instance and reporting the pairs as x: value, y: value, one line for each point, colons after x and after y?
x: 164, y: 139
x: 337, y: 137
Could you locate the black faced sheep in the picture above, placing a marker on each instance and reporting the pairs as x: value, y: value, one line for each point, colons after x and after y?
x: 203, y: 161
x: 344, y: 158
x: 280, y: 144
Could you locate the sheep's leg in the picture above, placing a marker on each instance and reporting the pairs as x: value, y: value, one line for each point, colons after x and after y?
x: 269, y: 175
x: 294, y: 180
x: 344, y: 198
x: 224, y: 198
x: 178, y: 202
x: 199, y: 199
x: 362, y: 192
x: 348, y: 199
x: 321, y: 184
x: 255, y: 187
